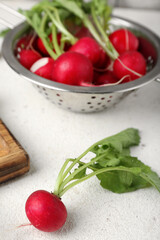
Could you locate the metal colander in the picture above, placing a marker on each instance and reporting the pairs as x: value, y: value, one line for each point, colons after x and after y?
x: 83, y: 99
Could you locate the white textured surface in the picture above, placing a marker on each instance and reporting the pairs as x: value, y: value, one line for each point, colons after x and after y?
x: 50, y: 135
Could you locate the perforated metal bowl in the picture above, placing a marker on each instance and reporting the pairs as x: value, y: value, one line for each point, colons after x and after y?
x: 83, y: 99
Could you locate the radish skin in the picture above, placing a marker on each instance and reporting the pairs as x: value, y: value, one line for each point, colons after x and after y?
x: 72, y: 68
x: 130, y: 63
x: 105, y: 78
x: 43, y: 67
x: 91, y: 49
x: 124, y: 40
x: 45, y: 211
x: 28, y: 57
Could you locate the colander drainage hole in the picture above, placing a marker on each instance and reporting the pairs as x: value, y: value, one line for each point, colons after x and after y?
x: 93, y: 97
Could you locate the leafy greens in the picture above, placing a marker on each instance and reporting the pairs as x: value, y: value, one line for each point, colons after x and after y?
x: 112, y: 164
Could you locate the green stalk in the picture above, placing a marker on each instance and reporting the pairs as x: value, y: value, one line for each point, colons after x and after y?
x: 46, y: 44
x: 71, y: 176
x: 108, y: 169
x: 60, y: 178
x: 110, y: 49
x: 57, y: 22
x: 55, y: 42
x: 76, y: 10
x: 80, y: 157
x: 62, y: 42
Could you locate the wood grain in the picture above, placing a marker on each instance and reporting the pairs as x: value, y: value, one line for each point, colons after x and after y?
x: 14, y: 161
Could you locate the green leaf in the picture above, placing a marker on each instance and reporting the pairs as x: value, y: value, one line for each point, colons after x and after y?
x: 120, y: 142
x: 124, y: 181
x: 120, y: 180
x: 152, y: 178
x: 80, y: 174
x: 109, y: 162
x: 72, y: 6
x: 124, y: 139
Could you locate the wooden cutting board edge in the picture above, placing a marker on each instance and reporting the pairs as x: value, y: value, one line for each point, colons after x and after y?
x: 18, y: 165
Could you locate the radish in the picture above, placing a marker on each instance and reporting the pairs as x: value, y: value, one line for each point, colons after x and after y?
x: 26, y: 42
x: 45, y: 211
x: 72, y: 68
x: 28, y: 57
x: 41, y: 46
x: 90, y: 48
x: 22, y: 43
x: 124, y: 40
x: 105, y: 78
x: 147, y: 49
x: 43, y: 67
x: 83, y: 32
x: 130, y: 63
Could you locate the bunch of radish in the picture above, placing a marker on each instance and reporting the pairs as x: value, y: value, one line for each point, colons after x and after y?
x: 88, y: 56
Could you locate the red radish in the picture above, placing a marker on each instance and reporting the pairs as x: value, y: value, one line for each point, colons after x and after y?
x: 104, y: 60
x: 43, y: 67
x: 124, y: 40
x: 90, y: 48
x: 28, y: 57
x: 45, y: 211
x: 105, y: 78
x: 72, y: 68
x: 83, y: 32
x: 147, y: 49
x: 26, y: 42
x: 22, y: 43
x: 41, y: 46
x: 130, y: 63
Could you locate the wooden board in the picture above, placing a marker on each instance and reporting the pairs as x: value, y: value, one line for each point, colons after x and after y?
x: 14, y: 161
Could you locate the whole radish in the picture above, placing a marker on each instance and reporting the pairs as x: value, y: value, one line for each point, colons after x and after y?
x: 45, y: 211
x: 41, y: 46
x: 28, y: 57
x: 43, y: 67
x: 72, y: 68
x: 124, y: 40
x: 131, y: 64
x: 91, y: 49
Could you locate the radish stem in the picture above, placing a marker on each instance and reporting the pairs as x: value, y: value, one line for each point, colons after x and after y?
x: 108, y: 169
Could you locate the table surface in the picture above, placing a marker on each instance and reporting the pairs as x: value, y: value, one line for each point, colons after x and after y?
x: 50, y: 135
